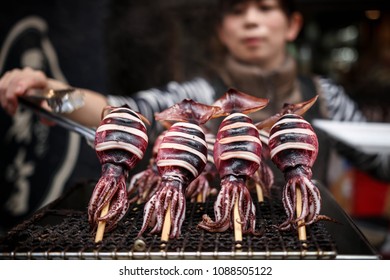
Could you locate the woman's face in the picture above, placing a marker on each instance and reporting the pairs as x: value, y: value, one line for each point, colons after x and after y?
x: 256, y: 32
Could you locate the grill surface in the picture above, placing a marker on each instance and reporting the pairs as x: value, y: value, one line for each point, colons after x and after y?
x: 59, y: 232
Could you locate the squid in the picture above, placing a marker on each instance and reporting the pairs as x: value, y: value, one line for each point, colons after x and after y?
x: 293, y: 148
x: 237, y: 156
x: 120, y: 143
x: 181, y: 157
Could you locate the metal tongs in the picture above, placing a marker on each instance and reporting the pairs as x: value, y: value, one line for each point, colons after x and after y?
x: 60, y: 101
x: 63, y: 101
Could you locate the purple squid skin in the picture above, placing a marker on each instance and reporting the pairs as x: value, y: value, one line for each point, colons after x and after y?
x: 293, y: 148
x: 201, y: 184
x: 175, y: 148
x: 235, y: 164
x: 294, y: 130
x: 120, y: 143
x: 146, y: 182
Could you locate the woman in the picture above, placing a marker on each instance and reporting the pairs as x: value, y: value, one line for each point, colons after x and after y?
x: 254, y: 35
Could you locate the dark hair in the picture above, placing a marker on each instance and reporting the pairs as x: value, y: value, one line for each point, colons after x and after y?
x: 288, y: 6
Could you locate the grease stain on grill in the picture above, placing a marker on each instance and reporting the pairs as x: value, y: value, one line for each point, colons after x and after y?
x: 63, y: 233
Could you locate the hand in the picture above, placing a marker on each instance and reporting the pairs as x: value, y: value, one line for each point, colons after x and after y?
x: 16, y: 82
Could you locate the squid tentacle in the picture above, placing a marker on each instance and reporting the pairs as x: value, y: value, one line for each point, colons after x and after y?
x: 94, y: 199
x: 316, y: 203
x: 105, y: 198
x: 118, y: 208
x: 178, y: 215
x: 135, y: 179
x: 287, y: 201
x: 305, y: 201
x: 149, y: 214
x: 230, y: 192
x: 224, y: 212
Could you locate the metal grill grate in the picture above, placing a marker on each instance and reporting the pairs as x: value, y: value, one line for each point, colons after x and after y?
x: 60, y: 233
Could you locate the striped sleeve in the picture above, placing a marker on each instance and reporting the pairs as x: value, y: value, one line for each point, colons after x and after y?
x: 341, y: 108
x: 148, y: 102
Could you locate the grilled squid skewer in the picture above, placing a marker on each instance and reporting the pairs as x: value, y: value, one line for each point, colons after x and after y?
x: 120, y: 143
x: 182, y: 156
x: 237, y: 153
x: 294, y: 148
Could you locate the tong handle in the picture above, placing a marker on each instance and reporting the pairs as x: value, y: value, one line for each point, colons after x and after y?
x: 88, y: 133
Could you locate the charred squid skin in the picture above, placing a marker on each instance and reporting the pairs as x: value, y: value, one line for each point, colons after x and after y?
x: 120, y: 143
x: 237, y: 148
x: 294, y: 148
x: 182, y: 156
x: 237, y: 154
x: 121, y: 138
x: 293, y: 142
x: 183, y: 152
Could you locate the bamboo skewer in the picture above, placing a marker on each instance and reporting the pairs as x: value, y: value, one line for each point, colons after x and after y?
x: 199, y: 198
x: 101, y: 225
x: 259, y: 191
x: 301, y: 223
x: 143, y: 197
x: 167, y: 225
x: 237, y: 225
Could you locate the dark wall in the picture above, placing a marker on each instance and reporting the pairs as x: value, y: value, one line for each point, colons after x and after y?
x: 152, y: 42
x: 75, y: 29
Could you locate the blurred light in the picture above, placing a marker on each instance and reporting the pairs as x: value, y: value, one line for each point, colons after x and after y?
x: 348, y: 34
x: 343, y: 58
x: 346, y: 54
x: 373, y: 14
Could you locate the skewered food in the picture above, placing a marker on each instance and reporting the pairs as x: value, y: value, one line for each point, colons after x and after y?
x: 237, y: 157
x: 120, y: 142
x: 293, y: 148
x: 182, y: 156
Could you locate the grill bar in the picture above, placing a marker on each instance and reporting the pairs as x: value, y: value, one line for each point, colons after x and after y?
x: 57, y: 232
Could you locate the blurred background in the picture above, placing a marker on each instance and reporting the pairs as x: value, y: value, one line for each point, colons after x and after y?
x: 120, y: 47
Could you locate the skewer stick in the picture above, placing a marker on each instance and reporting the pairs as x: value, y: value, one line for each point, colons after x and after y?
x: 199, y: 198
x: 259, y: 191
x: 237, y: 223
x: 143, y: 196
x: 167, y: 225
x: 102, y: 224
x: 301, y: 223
